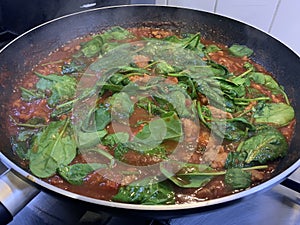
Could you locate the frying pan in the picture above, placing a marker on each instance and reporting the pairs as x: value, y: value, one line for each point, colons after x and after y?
x: 28, y: 49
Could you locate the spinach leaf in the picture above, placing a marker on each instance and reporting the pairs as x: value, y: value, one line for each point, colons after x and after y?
x: 178, y: 100
x: 268, y: 144
x: 268, y: 82
x: 62, y: 87
x: 23, y: 142
x: 240, y: 50
x: 236, y: 159
x: 231, y: 129
x: 148, y: 191
x: 120, y: 150
x: 178, y: 54
x: 30, y: 95
x: 211, y: 48
x: 75, y: 174
x: 72, y: 67
x: 190, y: 176
x: 90, y: 139
x: 115, y: 138
x: 211, y: 68
x: 97, y: 118
x: 162, y: 67
x: 102, y: 117
x: 168, y: 127
x: 237, y: 178
x: 278, y: 114
x: 116, y: 33
x: 119, y: 142
x: 54, y: 147
x: 93, y: 47
x: 121, y: 106
x: 230, y: 88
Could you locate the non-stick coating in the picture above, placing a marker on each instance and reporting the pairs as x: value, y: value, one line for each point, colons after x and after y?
x: 30, y: 48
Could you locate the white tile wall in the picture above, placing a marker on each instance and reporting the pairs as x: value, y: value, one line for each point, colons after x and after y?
x: 286, y: 25
x: 207, y: 5
x: 280, y: 18
x: 255, y: 12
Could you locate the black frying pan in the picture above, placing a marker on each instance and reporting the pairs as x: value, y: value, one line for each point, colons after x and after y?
x: 26, y: 51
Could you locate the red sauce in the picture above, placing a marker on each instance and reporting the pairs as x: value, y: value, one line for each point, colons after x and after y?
x: 105, y: 183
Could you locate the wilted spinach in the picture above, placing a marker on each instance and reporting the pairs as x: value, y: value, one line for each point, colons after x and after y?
x: 189, y: 176
x: 121, y: 106
x: 278, y: 114
x: 76, y: 173
x: 54, y: 147
x: 240, y: 50
x: 92, y: 47
x: 61, y: 87
x: 72, y: 67
x: 90, y: 139
x: 148, y: 191
x: 115, y: 138
x: 237, y: 178
x: 265, y: 145
x: 30, y: 95
x: 168, y: 127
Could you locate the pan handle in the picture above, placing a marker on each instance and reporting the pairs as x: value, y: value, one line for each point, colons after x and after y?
x: 15, y: 193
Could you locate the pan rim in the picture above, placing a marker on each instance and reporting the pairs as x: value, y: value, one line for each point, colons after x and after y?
x: 261, y: 187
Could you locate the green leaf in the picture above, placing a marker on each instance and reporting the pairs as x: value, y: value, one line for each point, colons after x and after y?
x: 236, y: 159
x: 237, y: 178
x: 61, y: 87
x: 75, y: 174
x: 115, y: 138
x: 121, y: 106
x: 193, y: 176
x: 148, y: 191
x: 268, y: 82
x: 211, y: 48
x: 168, y: 127
x: 231, y: 89
x: 72, y: 67
x: 90, y: 139
x: 22, y: 142
x: 102, y: 117
x: 30, y: 95
x: 232, y: 129
x: 278, y: 114
x: 54, y: 147
x: 209, y: 69
x: 240, y: 50
x: 178, y: 100
x: 116, y: 33
x: 162, y: 67
x: 93, y: 47
x: 267, y: 145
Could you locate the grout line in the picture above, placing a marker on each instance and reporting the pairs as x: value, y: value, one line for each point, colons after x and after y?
x: 215, y: 6
x: 274, y: 15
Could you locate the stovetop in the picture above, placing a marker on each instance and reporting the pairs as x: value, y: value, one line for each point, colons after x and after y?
x: 276, y: 206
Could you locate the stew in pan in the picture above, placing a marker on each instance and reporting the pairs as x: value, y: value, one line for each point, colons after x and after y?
x: 150, y: 116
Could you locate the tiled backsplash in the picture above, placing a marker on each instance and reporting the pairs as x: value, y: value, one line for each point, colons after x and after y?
x: 280, y: 18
